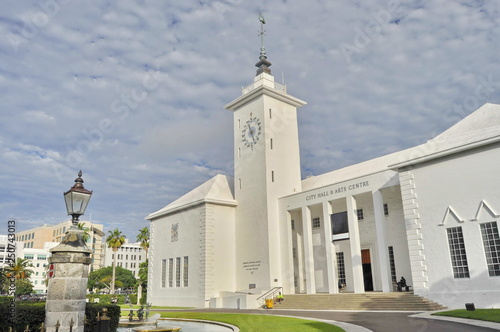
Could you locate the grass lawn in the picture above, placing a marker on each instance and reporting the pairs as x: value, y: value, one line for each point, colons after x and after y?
x: 491, y: 315
x: 258, y: 323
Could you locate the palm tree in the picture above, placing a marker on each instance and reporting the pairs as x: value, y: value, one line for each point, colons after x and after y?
x: 143, y: 238
x: 114, y: 240
x: 20, y: 270
x: 85, y: 235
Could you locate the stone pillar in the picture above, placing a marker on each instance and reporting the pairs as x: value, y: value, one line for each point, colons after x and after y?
x: 139, y: 293
x: 67, y: 288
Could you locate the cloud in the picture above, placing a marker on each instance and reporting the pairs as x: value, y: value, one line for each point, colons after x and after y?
x: 133, y: 93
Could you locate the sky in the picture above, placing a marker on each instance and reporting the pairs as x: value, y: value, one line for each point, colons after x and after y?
x: 133, y: 92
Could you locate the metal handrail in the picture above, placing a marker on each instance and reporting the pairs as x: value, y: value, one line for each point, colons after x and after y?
x: 271, y: 291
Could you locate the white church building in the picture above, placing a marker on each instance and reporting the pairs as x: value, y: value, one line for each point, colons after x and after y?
x: 429, y: 213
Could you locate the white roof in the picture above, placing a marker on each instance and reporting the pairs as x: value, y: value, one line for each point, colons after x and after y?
x: 217, y: 190
x: 479, y: 128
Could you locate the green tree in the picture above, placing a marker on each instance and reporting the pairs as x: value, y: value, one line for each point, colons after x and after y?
x: 24, y: 286
x: 101, y: 278
x: 143, y: 277
x: 114, y: 240
x: 143, y: 238
x: 3, y: 281
x: 21, y: 272
x: 86, y: 234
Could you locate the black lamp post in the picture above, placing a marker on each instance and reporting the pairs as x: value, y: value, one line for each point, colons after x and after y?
x: 77, y: 199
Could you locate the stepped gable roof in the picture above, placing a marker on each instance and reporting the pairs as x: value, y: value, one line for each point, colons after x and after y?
x: 217, y: 190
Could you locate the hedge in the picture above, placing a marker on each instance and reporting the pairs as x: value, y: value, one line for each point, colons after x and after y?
x: 33, y: 314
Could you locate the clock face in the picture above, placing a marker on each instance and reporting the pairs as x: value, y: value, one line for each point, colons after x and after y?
x: 251, y: 132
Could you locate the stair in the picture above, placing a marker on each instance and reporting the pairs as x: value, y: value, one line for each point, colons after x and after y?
x: 397, y: 301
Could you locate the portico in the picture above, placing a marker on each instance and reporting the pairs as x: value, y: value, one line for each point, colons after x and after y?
x: 321, y: 257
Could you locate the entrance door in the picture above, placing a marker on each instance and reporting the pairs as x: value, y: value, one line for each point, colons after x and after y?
x: 367, y: 269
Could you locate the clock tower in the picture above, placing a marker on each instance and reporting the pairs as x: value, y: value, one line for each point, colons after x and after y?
x: 266, y: 167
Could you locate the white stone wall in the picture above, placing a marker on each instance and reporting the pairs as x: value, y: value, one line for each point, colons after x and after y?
x: 205, y: 234
x: 460, y: 183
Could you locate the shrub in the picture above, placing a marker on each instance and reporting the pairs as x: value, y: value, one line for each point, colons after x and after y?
x: 91, y: 311
x: 33, y: 314
x: 25, y: 313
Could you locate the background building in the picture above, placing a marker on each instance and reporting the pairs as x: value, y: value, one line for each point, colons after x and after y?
x: 37, y: 237
x: 129, y: 256
x: 5, y: 250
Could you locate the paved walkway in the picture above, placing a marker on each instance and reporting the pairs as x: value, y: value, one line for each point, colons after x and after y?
x: 377, y: 321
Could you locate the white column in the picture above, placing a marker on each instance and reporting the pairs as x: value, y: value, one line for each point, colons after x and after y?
x: 300, y: 263
x: 329, y: 250
x: 308, y: 251
x: 383, y: 256
x: 355, y: 243
x: 288, y: 274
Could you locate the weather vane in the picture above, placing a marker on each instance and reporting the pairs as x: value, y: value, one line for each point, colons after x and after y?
x: 261, y: 34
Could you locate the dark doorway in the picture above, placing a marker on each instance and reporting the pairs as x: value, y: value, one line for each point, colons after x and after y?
x: 367, y: 269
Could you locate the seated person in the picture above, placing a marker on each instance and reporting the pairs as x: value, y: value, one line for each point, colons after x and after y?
x: 401, y: 284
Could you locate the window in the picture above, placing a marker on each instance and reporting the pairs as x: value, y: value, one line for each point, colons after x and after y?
x: 386, y: 209
x: 341, y: 268
x: 272, y: 176
x: 270, y: 114
x: 392, y: 264
x: 178, y: 272
x: 186, y: 271
x: 316, y: 223
x: 294, y: 253
x: 293, y: 224
x: 271, y: 142
x: 491, y: 243
x: 359, y: 212
x: 42, y: 257
x: 163, y: 273
x: 28, y: 256
x: 457, y: 252
x: 340, y: 226
x: 170, y: 272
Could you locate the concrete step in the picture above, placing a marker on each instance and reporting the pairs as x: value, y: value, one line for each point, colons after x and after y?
x: 397, y: 301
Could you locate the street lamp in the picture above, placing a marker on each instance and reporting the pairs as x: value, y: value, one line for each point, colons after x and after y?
x: 77, y: 199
